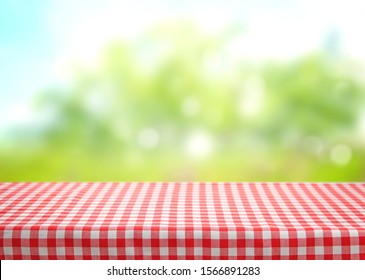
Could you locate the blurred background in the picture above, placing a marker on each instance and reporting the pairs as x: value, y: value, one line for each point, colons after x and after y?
x: 169, y: 90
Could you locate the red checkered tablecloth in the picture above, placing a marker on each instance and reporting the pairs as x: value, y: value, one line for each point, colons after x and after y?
x: 182, y: 221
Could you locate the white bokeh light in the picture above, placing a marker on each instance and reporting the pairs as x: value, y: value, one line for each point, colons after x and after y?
x: 341, y: 154
x: 190, y: 107
x: 252, y: 96
x: 199, y: 145
x: 148, y: 138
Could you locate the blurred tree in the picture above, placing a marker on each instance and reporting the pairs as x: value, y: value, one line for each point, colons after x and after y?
x: 175, y: 106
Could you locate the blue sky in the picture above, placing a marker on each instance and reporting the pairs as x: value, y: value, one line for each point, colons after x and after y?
x: 39, y: 37
x: 25, y: 48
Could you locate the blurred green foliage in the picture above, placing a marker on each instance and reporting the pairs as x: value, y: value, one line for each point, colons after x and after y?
x: 176, y: 106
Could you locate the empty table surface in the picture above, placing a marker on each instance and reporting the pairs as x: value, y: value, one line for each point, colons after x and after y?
x: 182, y: 220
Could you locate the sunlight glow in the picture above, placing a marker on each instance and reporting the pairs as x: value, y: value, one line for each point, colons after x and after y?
x: 199, y: 145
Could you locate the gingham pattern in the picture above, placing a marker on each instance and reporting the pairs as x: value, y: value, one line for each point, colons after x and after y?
x: 182, y: 221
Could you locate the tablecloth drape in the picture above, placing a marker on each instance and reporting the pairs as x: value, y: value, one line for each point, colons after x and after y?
x: 182, y: 220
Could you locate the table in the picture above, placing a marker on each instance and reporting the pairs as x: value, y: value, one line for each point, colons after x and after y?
x: 182, y: 220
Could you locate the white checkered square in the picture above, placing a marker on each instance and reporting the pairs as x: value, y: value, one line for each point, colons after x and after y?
x: 112, y: 251
x: 336, y: 233
x: 250, y: 252
x: 146, y: 234
x: 318, y: 233
x: 215, y: 252
x: 267, y: 251
x: 302, y: 251
x: 232, y: 252
x: 266, y: 234
x: 112, y: 234
x: 78, y: 251
x: 250, y: 235
x: 181, y: 251
x: 180, y: 234
x: 198, y: 251
x: 146, y: 251
x: 214, y: 235
x: 8, y: 251
x: 164, y: 234
x: 284, y: 234
x: 77, y: 234
x: 25, y: 251
x: 95, y: 251
x: 94, y: 234
x: 354, y: 249
x: 129, y: 234
x: 25, y: 234
x: 284, y: 251
x: 164, y: 251
x: 60, y: 251
x: 43, y: 234
x: 129, y: 251
x: 337, y: 250
x: 43, y: 251
x: 198, y: 234
x: 8, y: 234
x: 60, y: 234
x: 319, y: 250
x: 232, y: 235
